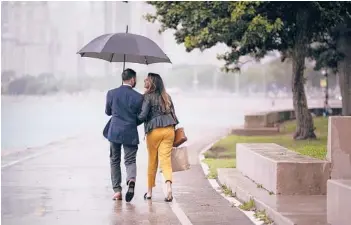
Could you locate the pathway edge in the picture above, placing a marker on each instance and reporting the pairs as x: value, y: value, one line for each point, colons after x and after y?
x: 217, y: 188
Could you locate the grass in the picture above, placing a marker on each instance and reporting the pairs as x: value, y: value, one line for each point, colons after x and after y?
x: 314, y: 148
x: 262, y: 216
x: 248, y: 206
x: 223, y: 153
x: 214, y: 164
x: 227, y: 191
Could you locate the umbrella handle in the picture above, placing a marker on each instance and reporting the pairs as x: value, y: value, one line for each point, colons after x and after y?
x: 124, y: 56
x: 124, y: 62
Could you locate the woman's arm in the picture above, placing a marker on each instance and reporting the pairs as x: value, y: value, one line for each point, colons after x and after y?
x: 173, y: 111
x: 145, y: 108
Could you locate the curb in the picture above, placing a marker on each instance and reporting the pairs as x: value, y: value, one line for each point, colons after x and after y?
x: 215, y: 185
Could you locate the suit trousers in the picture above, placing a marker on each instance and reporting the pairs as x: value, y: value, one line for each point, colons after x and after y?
x: 159, y: 146
x: 130, y: 152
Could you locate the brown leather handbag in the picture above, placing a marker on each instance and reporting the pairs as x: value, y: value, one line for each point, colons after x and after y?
x: 179, y: 137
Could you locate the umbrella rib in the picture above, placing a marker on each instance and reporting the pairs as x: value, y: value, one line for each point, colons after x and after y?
x: 146, y: 60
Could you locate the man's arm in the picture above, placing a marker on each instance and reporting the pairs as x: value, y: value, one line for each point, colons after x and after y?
x: 108, y: 104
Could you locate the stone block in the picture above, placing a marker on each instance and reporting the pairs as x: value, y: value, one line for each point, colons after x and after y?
x: 282, y: 171
x: 268, y: 119
x: 339, y: 202
x: 339, y: 146
x: 272, y: 119
x: 282, y: 209
x: 255, y: 121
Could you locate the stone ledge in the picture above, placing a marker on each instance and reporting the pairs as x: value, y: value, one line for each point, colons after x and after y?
x: 283, y: 210
x: 339, y: 202
x: 282, y: 171
x: 273, y: 118
x: 256, y: 131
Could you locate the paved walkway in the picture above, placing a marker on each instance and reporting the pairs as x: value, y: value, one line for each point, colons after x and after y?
x: 69, y: 183
x: 201, y: 203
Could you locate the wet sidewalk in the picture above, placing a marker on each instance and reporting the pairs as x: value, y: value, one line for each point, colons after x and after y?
x: 69, y: 183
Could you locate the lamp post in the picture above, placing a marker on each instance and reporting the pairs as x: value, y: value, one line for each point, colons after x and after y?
x: 326, y: 105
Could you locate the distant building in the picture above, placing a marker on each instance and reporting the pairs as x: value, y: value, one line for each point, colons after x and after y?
x: 24, y: 37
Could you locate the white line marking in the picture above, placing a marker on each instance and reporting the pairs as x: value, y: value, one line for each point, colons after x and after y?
x: 24, y: 159
x: 177, y: 210
x: 55, y: 144
x: 216, y: 187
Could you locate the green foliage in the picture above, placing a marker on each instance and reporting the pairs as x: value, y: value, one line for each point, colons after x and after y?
x: 227, y: 191
x: 37, y: 85
x: 214, y: 164
x: 248, y: 28
x: 47, y: 83
x: 262, y: 216
x: 248, y: 206
x: 326, y: 51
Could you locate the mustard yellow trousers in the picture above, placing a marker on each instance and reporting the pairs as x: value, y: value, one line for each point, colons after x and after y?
x: 159, y: 145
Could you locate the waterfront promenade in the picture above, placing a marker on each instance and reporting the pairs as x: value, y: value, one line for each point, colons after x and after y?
x: 68, y: 181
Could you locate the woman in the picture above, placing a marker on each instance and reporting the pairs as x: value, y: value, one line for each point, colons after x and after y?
x: 159, y: 119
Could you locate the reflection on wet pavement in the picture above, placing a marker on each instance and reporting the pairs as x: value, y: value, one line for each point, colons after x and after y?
x: 71, y: 185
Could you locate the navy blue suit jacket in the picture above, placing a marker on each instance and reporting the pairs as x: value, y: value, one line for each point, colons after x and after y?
x: 123, y: 104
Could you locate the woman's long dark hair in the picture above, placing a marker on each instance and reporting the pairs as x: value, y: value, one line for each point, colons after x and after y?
x: 157, y: 86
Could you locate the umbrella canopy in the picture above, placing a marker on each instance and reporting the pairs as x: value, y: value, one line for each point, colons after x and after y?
x: 125, y: 47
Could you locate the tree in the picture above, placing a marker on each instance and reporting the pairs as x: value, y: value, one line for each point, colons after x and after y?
x: 334, y: 52
x: 344, y: 68
x: 255, y: 29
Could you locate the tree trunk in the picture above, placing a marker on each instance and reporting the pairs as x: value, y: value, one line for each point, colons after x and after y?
x: 344, y: 67
x: 304, y: 121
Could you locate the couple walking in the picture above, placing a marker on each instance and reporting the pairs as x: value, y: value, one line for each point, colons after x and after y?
x: 129, y: 109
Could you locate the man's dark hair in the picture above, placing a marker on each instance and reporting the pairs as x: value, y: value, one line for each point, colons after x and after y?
x: 128, y: 74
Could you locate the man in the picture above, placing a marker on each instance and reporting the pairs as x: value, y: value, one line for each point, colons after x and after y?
x: 123, y: 104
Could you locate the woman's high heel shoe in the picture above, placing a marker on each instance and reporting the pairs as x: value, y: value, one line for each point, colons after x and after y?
x: 169, y: 197
x: 147, y: 197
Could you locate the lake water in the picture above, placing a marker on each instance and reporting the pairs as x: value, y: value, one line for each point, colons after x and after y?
x: 29, y: 121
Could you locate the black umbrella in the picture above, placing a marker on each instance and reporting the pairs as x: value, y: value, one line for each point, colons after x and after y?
x: 124, y: 47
